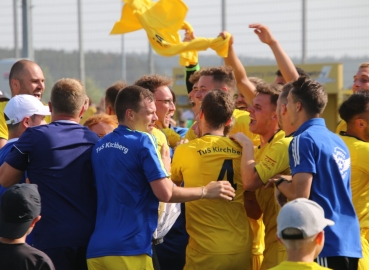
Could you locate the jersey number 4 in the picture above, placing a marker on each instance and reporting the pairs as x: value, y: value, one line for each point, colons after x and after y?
x: 227, y: 167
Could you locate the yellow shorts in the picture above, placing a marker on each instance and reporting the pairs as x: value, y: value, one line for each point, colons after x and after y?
x: 274, y: 254
x: 199, y: 261
x: 139, y: 262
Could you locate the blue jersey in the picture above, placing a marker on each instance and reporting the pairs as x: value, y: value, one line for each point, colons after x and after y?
x: 4, y: 151
x: 57, y: 157
x: 316, y: 150
x: 124, y: 164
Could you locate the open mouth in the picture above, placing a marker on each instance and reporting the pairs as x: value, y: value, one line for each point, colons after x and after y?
x: 37, y: 95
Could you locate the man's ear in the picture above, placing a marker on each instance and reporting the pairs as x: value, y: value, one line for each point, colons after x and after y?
x: 50, y: 107
x: 228, y: 122
x: 25, y: 122
x: 35, y: 220
x: 298, y: 106
x: 129, y: 114
x: 201, y: 114
x: 15, y: 86
x: 319, y: 239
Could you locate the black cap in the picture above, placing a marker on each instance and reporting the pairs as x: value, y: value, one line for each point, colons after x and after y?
x: 20, y: 205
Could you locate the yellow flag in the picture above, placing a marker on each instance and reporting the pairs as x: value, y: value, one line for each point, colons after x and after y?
x: 162, y: 21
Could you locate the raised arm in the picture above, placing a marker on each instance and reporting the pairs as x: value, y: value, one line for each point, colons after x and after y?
x: 284, y: 63
x: 244, y: 85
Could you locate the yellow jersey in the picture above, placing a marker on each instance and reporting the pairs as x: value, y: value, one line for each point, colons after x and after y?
x: 359, y: 152
x: 214, y: 226
x: 271, y: 159
x: 287, y: 265
x: 342, y: 126
x: 241, y: 121
x: 89, y: 112
x: 3, y: 126
x: 172, y: 137
x: 160, y: 138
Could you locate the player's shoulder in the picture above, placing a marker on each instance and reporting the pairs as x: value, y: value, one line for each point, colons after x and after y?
x: 240, y: 114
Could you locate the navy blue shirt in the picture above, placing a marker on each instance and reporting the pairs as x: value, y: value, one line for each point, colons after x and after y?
x: 57, y: 158
x: 316, y: 150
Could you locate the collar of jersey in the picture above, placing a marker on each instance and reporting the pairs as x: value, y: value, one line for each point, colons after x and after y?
x: 309, y: 123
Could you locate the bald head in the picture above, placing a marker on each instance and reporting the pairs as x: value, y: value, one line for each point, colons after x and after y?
x: 26, y: 77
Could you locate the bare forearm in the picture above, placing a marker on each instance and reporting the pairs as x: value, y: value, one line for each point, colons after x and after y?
x: 284, y: 62
x: 246, y: 87
x: 181, y: 194
x: 287, y: 190
x: 250, y: 178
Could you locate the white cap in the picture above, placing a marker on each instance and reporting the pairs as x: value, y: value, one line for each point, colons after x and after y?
x: 22, y: 106
x: 304, y: 215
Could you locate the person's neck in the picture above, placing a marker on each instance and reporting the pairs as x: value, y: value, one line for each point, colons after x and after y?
x: 14, y: 134
x: 265, y: 138
x: 300, y: 255
x: 211, y: 131
x: 58, y: 117
x: 21, y: 240
x: 355, y: 133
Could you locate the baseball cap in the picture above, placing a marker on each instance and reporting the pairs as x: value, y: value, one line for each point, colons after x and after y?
x: 3, y: 96
x: 20, y: 205
x: 304, y: 215
x: 21, y: 106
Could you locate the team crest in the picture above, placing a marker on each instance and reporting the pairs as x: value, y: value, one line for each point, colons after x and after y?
x: 342, y: 161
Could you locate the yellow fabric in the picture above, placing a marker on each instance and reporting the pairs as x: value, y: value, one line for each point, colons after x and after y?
x: 162, y: 20
x: 342, y: 126
x: 89, y: 112
x: 3, y: 127
x: 359, y: 152
x: 160, y: 138
x: 172, y: 137
x: 271, y: 159
x: 241, y: 121
x: 364, y: 261
x: 142, y: 262
x: 214, y: 226
x: 258, y: 228
x: 199, y: 261
x: 299, y: 266
x: 257, y: 261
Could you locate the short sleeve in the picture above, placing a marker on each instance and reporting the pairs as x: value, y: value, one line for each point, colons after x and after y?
x: 190, y: 135
x: 274, y: 161
x: 301, y: 155
x: 19, y: 156
x: 152, y: 164
x: 177, y: 161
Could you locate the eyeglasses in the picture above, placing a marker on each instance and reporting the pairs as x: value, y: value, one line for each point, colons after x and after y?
x: 166, y: 101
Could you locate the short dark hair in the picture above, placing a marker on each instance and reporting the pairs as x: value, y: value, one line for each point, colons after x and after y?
x: 356, y: 104
x: 151, y: 82
x: 300, y: 71
x: 68, y: 97
x: 112, y: 92
x: 284, y: 92
x: 310, y: 94
x: 194, y: 77
x: 131, y: 97
x: 221, y: 75
x: 17, y: 70
x: 218, y: 107
x: 273, y: 90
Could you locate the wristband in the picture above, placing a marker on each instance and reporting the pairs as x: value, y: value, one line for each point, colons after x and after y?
x: 279, y: 181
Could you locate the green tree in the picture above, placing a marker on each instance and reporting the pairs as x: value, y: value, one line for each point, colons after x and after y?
x: 94, y: 92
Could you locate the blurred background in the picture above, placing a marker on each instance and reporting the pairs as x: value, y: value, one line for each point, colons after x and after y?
x: 61, y: 34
